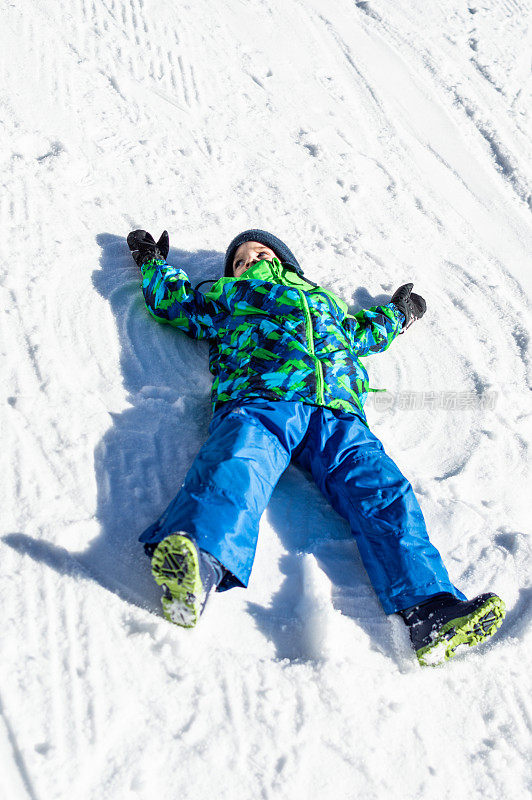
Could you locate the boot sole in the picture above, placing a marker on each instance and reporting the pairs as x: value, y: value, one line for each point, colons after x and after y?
x: 462, y: 632
x: 175, y: 567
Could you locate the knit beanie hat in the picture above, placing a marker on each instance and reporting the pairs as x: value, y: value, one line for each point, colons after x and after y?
x: 283, y: 253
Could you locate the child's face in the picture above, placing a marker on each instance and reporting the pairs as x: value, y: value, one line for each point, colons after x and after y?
x: 248, y: 254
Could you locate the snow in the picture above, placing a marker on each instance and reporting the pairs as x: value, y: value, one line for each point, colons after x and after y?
x: 384, y: 142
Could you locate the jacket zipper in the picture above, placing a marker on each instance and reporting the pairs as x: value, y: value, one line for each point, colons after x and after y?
x: 310, y: 341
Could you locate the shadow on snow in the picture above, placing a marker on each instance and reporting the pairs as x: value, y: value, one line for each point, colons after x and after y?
x: 142, y: 460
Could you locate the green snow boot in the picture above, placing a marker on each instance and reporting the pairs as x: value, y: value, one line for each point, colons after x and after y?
x: 444, y: 627
x: 187, y: 575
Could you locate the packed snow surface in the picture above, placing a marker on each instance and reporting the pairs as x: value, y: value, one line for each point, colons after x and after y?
x: 385, y: 141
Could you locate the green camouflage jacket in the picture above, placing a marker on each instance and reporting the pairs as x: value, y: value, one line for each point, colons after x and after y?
x: 273, y: 335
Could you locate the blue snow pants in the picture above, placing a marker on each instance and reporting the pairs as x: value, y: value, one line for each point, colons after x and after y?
x: 249, y: 447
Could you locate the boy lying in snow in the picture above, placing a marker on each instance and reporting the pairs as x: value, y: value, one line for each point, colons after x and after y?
x: 289, y: 385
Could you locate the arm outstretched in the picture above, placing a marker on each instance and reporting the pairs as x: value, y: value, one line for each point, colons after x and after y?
x: 170, y: 298
x: 372, y: 330
x: 167, y: 291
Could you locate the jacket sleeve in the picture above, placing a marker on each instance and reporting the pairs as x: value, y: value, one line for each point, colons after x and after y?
x: 170, y: 298
x: 372, y: 330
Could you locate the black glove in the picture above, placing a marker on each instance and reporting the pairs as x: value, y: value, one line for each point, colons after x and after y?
x: 143, y: 246
x: 412, y: 305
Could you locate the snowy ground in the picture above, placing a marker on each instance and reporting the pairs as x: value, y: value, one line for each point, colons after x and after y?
x: 385, y: 141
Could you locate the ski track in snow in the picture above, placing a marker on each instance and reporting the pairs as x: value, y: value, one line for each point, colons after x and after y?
x: 384, y: 144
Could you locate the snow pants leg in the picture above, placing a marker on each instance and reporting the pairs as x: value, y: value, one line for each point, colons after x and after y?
x: 366, y: 487
x: 231, y: 481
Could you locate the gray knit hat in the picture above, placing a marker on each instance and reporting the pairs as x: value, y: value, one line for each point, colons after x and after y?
x: 283, y: 253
